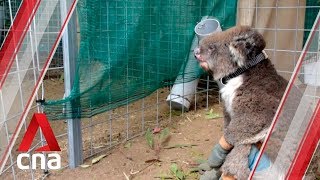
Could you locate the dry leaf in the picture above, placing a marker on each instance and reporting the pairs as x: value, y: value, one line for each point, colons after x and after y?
x: 97, y: 159
x: 128, y: 145
x: 85, y: 165
x: 152, y: 161
x: 98, y: 147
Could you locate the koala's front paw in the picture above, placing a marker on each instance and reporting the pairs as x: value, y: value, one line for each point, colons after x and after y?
x: 213, y: 174
x: 203, y: 167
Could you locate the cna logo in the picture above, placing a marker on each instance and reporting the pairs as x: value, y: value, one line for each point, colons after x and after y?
x: 39, y: 120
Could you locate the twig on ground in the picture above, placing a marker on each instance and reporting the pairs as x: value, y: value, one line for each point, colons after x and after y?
x: 125, y: 175
x: 127, y: 157
x: 180, y: 146
x: 136, y: 172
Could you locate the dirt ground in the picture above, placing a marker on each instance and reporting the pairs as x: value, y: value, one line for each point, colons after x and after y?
x: 194, y: 131
x: 192, y: 135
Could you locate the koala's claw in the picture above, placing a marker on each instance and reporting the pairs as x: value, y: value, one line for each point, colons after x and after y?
x: 203, y: 167
x: 213, y: 174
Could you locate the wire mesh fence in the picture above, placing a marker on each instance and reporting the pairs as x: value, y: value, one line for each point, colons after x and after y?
x: 139, y: 56
x: 285, y: 40
x: 8, y: 11
x: 22, y: 75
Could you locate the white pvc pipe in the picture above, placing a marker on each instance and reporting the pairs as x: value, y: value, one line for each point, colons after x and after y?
x: 182, y: 94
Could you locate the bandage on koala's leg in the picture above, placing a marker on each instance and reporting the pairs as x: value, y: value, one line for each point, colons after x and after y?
x: 217, y: 156
x: 215, y: 160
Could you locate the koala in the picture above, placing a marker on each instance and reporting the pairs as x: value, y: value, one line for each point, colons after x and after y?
x: 250, y: 98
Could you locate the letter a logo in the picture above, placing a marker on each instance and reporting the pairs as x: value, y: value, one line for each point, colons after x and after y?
x: 39, y: 120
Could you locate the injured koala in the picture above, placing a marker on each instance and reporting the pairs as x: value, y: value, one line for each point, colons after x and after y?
x: 251, y: 91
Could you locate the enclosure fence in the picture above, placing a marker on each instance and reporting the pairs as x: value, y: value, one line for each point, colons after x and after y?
x: 284, y: 24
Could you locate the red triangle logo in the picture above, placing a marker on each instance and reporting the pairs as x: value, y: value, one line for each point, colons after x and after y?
x: 39, y: 120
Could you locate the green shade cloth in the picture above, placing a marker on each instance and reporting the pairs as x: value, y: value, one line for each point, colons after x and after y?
x: 312, y: 9
x: 129, y: 49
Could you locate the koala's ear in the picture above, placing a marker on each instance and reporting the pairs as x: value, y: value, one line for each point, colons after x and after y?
x: 249, y: 43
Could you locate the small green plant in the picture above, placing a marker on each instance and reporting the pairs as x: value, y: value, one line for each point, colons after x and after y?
x: 150, y: 139
x: 61, y: 77
x: 212, y: 115
x: 156, y: 141
x: 177, y: 172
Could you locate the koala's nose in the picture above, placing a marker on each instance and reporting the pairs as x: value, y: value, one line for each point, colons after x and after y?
x: 196, y: 52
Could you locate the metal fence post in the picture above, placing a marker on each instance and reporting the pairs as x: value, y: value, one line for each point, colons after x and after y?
x: 69, y: 44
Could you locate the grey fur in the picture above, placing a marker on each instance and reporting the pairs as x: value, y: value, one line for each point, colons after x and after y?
x: 255, y: 101
x: 237, y: 162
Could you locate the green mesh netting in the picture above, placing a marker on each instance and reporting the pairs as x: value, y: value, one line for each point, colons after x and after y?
x: 5, y: 20
x: 312, y: 9
x: 129, y: 49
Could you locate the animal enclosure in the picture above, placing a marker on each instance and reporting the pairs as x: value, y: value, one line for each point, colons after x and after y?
x: 128, y: 55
